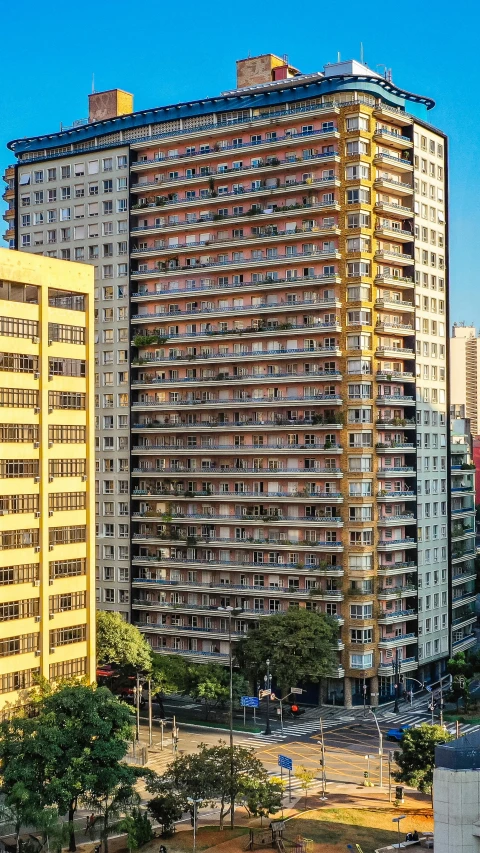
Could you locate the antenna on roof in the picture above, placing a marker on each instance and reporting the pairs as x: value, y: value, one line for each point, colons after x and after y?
x: 93, y: 83
x: 285, y: 58
x: 361, y: 53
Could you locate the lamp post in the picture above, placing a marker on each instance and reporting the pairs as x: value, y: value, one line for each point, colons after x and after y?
x: 230, y: 611
x: 397, y: 821
x: 380, y: 745
x: 268, y: 686
x: 194, y: 803
x: 397, y: 682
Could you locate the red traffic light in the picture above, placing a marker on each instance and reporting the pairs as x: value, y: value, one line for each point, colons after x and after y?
x: 294, y: 708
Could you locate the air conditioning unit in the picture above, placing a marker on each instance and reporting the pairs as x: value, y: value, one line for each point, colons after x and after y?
x: 36, y: 583
x: 36, y: 445
x: 84, y: 478
x: 36, y: 410
x: 50, y: 547
x: 37, y: 514
x: 50, y: 478
x: 37, y: 653
x: 50, y: 342
x: 37, y: 618
x: 50, y: 513
x: 50, y: 410
x: 51, y: 615
x: 36, y: 479
x: 52, y: 649
x: 37, y: 549
x: 50, y: 582
x: 35, y: 340
x: 50, y: 444
x: 36, y: 374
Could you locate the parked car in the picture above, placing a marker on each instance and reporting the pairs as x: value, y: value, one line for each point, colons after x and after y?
x: 397, y: 733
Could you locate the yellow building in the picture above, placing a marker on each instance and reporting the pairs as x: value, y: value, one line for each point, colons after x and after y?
x: 47, y: 522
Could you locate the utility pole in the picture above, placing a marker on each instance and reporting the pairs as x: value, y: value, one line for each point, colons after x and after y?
x: 324, y: 777
x: 380, y: 746
x: 150, y: 733
x: 268, y: 684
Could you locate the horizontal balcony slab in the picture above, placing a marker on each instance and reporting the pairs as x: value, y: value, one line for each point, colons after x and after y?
x: 395, y: 544
x: 462, y: 621
x: 401, y: 188
x: 397, y: 568
x: 463, y: 577
x: 333, y: 497
x: 336, y: 473
x: 240, y: 356
x: 394, y: 520
x: 399, y: 210
x: 163, y: 563
x: 396, y: 616
x: 221, y: 449
x: 170, y: 316
x: 203, y: 426
x: 465, y: 643
x: 390, y: 161
x: 405, y: 665
x: 163, y: 269
x: 329, y: 547
x: 243, y: 589
x: 468, y: 598
x: 394, y: 642
x: 224, y: 379
x: 396, y: 496
x: 235, y: 404
x: 243, y: 519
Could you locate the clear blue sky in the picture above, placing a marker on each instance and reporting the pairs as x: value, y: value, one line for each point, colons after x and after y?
x: 168, y: 52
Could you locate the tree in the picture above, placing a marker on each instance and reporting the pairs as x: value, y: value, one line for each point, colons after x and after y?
x: 18, y: 809
x: 79, y: 734
x: 113, y: 794
x: 210, y: 684
x: 416, y: 759
x: 207, y: 776
x: 298, y: 643
x: 166, y: 808
x: 306, y: 779
x: 168, y: 673
x: 121, y: 643
x: 138, y: 828
x: 260, y: 798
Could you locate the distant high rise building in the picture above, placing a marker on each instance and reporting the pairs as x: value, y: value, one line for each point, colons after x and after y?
x: 285, y: 406
x: 464, y: 574
x: 47, y: 505
x: 465, y: 372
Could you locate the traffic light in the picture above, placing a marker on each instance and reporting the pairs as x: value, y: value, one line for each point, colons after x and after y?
x: 294, y: 709
x: 365, y: 774
x: 399, y: 793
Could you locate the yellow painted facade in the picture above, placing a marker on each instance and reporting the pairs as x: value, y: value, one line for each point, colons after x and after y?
x: 47, y: 473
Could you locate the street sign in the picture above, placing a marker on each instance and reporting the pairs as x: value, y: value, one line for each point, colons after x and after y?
x: 263, y: 693
x: 296, y: 690
x: 285, y: 761
x: 249, y: 702
x: 428, y: 688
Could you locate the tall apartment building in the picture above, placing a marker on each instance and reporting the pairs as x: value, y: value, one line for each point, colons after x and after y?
x: 464, y: 574
x: 288, y: 387
x: 465, y: 369
x: 47, y: 613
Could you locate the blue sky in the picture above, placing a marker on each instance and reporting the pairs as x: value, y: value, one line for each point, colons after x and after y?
x: 178, y: 51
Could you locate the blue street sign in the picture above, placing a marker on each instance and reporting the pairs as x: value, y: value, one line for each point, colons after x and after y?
x: 249, y: 702
x: 285, y: 762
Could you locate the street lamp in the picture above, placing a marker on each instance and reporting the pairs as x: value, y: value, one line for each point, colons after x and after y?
x: 397, y: 821
x: 194, y: 803
x: 380, y: 745
x: 231, y: 611
x: 397, y: 682
x: 268, y: 686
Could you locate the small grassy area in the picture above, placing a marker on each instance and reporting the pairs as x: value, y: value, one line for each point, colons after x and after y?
x: 469, y: 719
x: 370, y: 828
x: 207, y: 836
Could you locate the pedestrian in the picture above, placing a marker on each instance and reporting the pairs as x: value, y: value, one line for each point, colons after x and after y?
x: 88, y: 823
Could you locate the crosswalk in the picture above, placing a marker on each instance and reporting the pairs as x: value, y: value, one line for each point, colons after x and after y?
x: 417, y: 717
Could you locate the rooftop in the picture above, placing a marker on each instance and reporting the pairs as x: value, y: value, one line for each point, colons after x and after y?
x: 343, y: 76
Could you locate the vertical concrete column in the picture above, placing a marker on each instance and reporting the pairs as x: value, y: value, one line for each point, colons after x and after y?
x: 348, y: 692
x: 374, y: 691
x: 44, y: 485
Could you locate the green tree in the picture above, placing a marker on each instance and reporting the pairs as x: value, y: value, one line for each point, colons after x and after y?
x: 166, y: 808
x: 298, y: 643
x: 211, y: 776
x: 112, y: 795
x: 138, y: 829
x: 79, y: 734
x: 306, y: 779
x: 121, y: 643
x: 55, y: 832
x: 168, y: 673
x: 262, y: 799
x: 18, y: 809
x: 210, y: 685
x: 416, y: 759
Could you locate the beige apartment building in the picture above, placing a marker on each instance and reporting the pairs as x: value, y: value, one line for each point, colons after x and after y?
x: 465, y: 373
x: 287, y: 389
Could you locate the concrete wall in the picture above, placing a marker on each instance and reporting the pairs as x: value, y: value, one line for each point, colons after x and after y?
x: 456, y: 810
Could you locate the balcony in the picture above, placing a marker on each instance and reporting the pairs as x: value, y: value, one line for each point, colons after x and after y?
x: 316, y: 593
x: 220, y: 127
x: 163, y: 268
x: 220, y: 448
x: 388, y: 496
x: 393, y: 328
x: 396, y: 544
x: 393, y: 209
x: 409, y: 664
x: 220, y: 469
x: 395, y: 447
x: 154, y: 492
x: 395, y: 423
x: 384, y: 617
x: 241, y: 354
x: 394, y: 470
x: 402, y: 567
x: 466, y: 598
x: 237, y: 518
x: 393, y: 520
x: 394, y: 352
x: 323, y: 568
x: 464, y: 643
x: 389, y: 183
x: 225, y: 379
x: 395, y: 400
x: 210, y: 286
x: 195, y: 221
x: 463, y: 576
x: 249, y: 423
x: 387, y: 593
x: 389, y: 137
x: 209, y: 175
x: 394, y: 162
x: 224, y: 311
x: 331, y: 399
x: 398, y: 640
x: 257, y: 192
x: 394, y: 281
x: 464, y: 620
x: 399, y: 258
x: 251, y: 542
x: 396, y: 304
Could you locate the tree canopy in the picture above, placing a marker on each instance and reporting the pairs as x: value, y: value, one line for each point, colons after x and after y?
x: 78, y: 736
x: 121, y: 643
x: 298, y: 643
x: 416, y: 759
